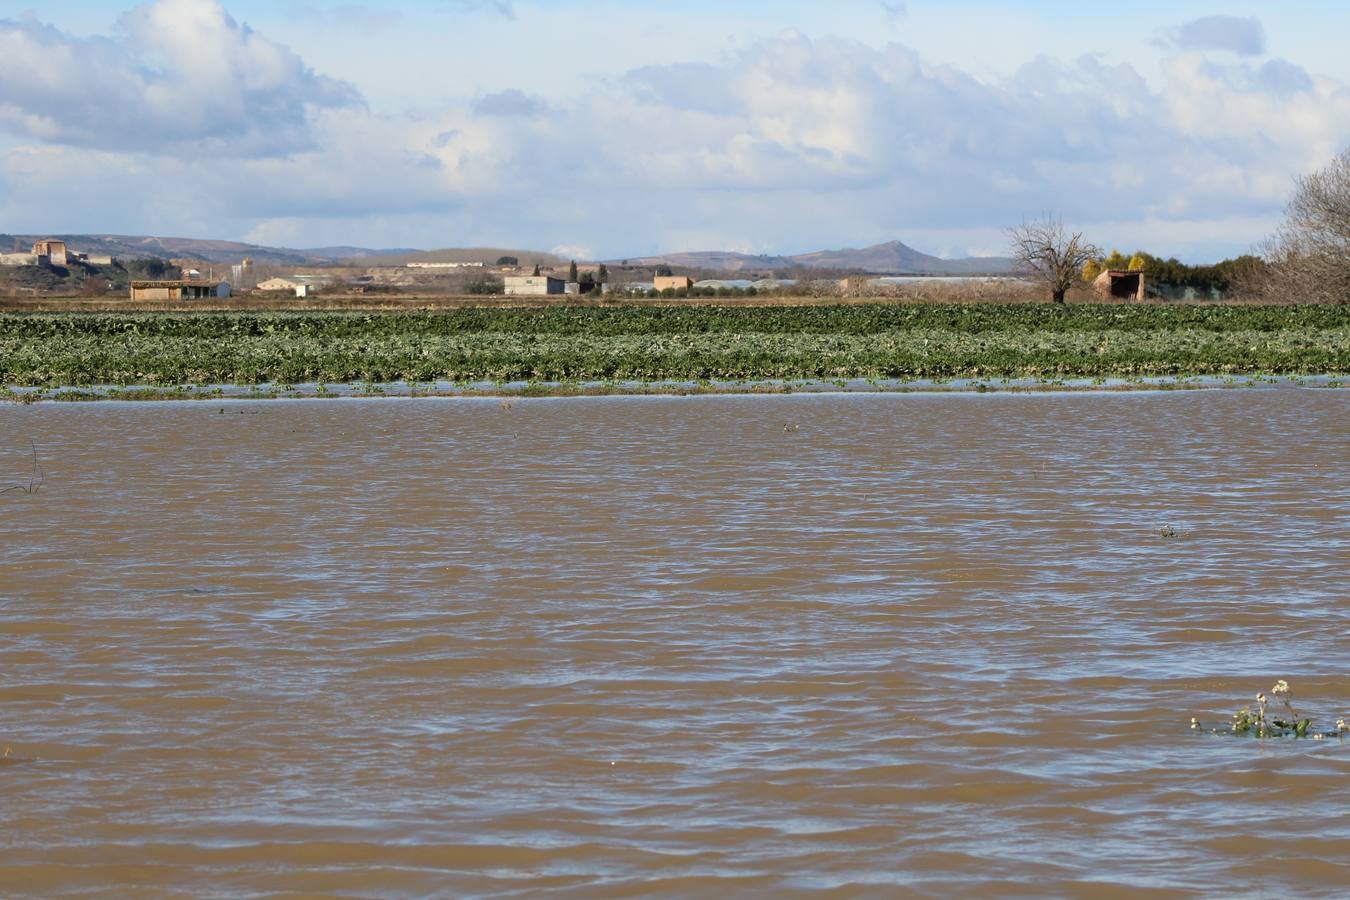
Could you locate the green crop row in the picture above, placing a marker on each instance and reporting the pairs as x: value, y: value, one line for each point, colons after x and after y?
x: 856, y: 320
x: 249, y: 349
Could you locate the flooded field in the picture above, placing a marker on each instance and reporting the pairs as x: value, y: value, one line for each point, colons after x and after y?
x: 934, y: 644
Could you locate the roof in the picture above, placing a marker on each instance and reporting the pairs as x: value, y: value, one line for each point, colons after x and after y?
x: 180, y: 283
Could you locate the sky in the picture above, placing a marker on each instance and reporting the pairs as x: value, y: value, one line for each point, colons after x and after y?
x: 608, y: 130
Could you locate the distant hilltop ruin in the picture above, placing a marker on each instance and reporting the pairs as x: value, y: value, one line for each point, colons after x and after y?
x: 52, y: 252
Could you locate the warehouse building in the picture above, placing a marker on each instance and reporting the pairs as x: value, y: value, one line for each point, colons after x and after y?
x: 532, y: 285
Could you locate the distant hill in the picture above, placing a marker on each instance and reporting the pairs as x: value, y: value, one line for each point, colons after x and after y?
x: 891, y: 258
x: 137, y: 247
x: 896, y: 258
x: 486, y: 255
x: 339, y: 253
x: 143, y: 247
x: 722, y: 260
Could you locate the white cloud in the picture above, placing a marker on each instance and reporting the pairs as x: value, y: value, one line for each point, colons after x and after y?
x: 510, y: 103
x: 1245, y: 37
x: 180, y: 77
x: 785, y: 145
x: 573, y: 251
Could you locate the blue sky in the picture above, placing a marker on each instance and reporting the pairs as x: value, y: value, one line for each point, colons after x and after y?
x: 608, y: 129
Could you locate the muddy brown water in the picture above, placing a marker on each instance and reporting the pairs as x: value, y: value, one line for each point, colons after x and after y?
x: 910, y: 644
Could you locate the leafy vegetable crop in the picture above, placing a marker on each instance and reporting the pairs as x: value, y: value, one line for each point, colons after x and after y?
x: 572, y: 344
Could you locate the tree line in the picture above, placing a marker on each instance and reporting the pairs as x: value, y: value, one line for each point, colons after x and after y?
x: 1307, y: 260
x: 1223, y: 276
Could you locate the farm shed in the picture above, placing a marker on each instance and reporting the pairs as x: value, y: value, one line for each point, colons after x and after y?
x: 173, y: 291
x: 1119, y: 284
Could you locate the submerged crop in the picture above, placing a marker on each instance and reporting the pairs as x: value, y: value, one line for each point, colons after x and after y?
x: 1263, y: 723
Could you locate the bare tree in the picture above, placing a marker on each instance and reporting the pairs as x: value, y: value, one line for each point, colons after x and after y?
x: 1309, y: 256
x: 1046, y: 252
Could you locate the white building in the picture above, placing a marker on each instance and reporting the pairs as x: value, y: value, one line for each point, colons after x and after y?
x: 532, y: 285
x: 300, y: 285
x: 445, y: 265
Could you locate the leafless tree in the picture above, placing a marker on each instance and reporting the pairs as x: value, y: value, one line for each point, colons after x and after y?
x: 1045, y: 251
x: 1309, y: 256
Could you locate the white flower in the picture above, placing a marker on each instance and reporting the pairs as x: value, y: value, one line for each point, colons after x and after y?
x: 1341, y: 726
x: 1281, y: 688
x: 1195, y: 723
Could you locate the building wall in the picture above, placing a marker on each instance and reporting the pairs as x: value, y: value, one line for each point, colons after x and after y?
x: 532, y: 285
x: 157, y: 292
x: 244, y: 276
x: 174, y: 291
x: 18, y: 259
x: 277, y: 284
x: 1119, y: 285
x: 445, y: 265
x: 55, y: 251
x: 677, y: 282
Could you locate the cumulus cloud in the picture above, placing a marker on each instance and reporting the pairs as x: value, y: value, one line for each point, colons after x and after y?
x: 1245, y: 37
x: 510, y: 103
x: 786, y: 144
x: 180, y: 76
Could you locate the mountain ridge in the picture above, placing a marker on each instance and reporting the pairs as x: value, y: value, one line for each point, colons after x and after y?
x: 889, y: 258
x: 128, y: 246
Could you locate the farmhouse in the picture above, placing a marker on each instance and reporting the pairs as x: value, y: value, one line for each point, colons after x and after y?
x: 299, y: 288
x: 1119, y: 284
x: 532, y: 285
x: 173, y: 291
x: 300, y: 285
x: 672, y: 282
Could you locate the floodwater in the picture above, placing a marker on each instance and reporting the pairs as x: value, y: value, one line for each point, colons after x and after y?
x: 708, y: 646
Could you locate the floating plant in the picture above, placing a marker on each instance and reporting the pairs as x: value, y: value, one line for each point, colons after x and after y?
x: 1266, y: 723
